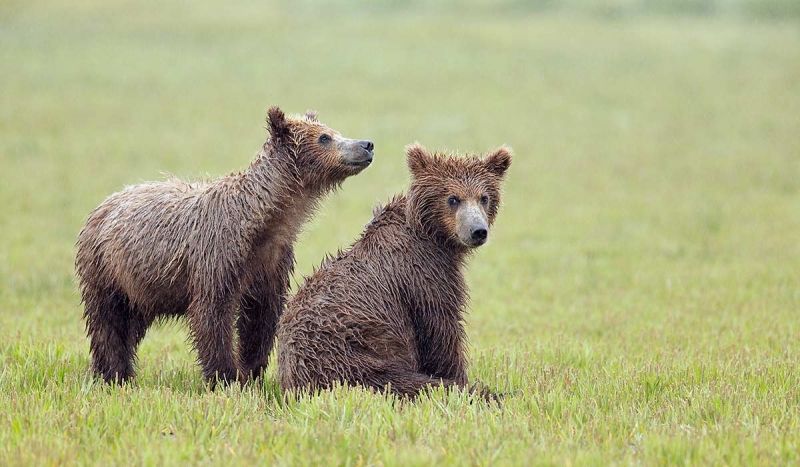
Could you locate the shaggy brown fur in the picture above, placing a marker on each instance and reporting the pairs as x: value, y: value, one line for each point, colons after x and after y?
x: 207, y: 250
x: 387, y: 313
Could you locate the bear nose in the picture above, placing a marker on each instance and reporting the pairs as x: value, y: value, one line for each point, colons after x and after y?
x: 479, y: 235
x: 367, y: 145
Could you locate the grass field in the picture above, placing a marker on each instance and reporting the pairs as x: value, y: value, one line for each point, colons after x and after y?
x: 640, y: 297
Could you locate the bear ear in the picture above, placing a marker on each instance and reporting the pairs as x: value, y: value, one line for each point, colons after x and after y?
x: 498, y: 161
x: 278, y: 126
x: 312, y: 116
x: 418, y: 158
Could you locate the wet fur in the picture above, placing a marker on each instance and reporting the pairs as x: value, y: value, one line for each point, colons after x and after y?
x: 388, y: 312
x: 211, y: 251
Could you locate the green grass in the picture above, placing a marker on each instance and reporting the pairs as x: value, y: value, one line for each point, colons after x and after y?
x: 639, y: 299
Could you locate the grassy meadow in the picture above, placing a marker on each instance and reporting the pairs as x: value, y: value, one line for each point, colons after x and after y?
x: 639, y: 298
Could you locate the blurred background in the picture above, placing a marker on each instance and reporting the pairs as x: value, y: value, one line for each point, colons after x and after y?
x: 638, y: 298
x: 653, y: 197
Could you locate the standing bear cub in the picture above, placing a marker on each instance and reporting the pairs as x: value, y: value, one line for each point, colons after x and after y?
x: 387, y: 313
x: 209, y: 250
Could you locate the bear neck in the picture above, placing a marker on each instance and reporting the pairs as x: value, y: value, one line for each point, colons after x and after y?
x: 273, y: 190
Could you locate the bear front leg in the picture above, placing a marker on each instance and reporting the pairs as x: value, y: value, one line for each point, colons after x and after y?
x: 259, y: 310
x: 256, y: 326
x: 211, y: 327
x: 440, y: 343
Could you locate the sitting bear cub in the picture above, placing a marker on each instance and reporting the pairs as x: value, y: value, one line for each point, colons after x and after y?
x: 388, y: 313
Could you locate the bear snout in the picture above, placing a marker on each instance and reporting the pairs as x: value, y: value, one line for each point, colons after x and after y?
x: 358, y: 154
x: 478, y: 235
x: 472, y: 227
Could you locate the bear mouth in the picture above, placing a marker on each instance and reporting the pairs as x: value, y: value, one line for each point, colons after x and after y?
x: 359, y: 164
x: 472, y: 243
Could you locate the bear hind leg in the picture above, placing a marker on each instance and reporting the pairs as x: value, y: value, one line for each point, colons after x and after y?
x: 114, y: 329
x: 399, y: 380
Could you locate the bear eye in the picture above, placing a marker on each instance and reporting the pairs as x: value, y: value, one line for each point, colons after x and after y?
x: 324, y: 138
x: 453, y: 200
x: 485, y: 199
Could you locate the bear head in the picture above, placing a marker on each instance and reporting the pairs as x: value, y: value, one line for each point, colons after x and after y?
x: 455, y: 199
x: 323, y: 158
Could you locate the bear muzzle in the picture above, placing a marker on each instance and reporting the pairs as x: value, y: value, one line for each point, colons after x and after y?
x: 473, y: 229
x: 357, y: 154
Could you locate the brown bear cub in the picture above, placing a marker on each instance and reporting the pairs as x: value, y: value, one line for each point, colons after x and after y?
x: 387, y: 313
x: 209, y: 250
